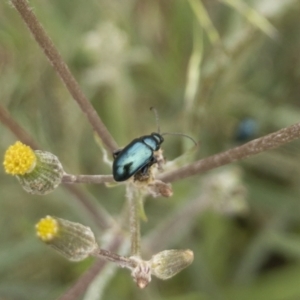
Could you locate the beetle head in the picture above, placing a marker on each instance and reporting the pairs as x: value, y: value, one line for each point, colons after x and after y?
x: 158, y: 138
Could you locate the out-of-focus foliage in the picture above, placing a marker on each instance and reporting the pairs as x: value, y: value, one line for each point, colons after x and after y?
x: 208, y: 67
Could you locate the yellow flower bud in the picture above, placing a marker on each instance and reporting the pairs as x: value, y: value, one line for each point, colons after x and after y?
x: 72, y: 240
x: 39, y: 172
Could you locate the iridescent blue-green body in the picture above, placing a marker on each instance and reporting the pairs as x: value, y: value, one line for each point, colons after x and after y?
x: 136, y: 156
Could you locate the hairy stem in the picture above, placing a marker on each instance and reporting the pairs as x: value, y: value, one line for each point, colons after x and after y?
x: 7, y: 120
x: 96, y: 179
x: 134, y: 220
x: 63, y: 71
x: 256, y: 146
x: 121, y: 261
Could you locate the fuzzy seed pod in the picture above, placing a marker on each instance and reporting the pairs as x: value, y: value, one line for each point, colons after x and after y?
x: 168, y: 263
x: 72, y: 240
x: 45, y: 176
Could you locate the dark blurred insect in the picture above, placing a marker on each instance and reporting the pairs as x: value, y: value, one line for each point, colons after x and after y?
x: 246, y: 130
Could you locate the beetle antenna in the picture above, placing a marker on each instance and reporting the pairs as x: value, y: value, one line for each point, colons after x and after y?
x: 156, y: 118
x: 182, y: 134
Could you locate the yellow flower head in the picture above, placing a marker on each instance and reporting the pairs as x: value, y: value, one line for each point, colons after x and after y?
x: 47, y: 228
x: 19, y: 159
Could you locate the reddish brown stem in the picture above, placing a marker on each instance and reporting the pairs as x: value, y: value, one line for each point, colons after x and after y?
x: 16, y: 129
x: 256, y: 146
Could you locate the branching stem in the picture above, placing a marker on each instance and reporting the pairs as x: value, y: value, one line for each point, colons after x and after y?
x: 256, y: 146
x: 121, y: 261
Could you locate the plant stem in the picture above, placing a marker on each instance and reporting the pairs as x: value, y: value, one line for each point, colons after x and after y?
x: 63, y: 71
x: 121, y: 261
x: 96, y: 179
x: 16, y: 129
x: 134, y: 220
x: 256, y: 146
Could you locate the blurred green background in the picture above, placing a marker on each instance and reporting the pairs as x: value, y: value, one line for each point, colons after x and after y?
x: 224, y: 72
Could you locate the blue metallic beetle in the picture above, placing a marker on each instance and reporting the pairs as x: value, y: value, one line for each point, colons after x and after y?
x: 138, y: 156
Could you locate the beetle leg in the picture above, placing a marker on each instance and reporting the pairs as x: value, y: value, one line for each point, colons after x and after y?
x: 143, y: 173
x: 144, y: 170
x: 152, y: 161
